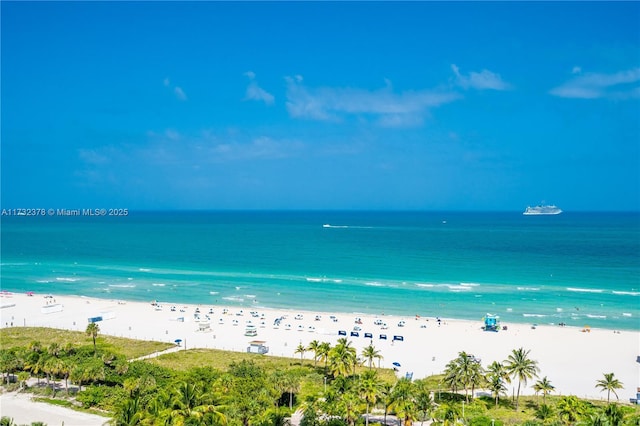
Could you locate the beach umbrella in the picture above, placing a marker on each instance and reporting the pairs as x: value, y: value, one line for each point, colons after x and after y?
x: 396, y: 364
x: 178, y: 341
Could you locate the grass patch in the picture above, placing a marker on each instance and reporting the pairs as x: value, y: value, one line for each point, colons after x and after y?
x: 23, y: 336
x: 220, y: 360
x: 60, y: 402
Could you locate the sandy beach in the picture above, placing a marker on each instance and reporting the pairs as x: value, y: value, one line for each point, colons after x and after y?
x: 572, y: 359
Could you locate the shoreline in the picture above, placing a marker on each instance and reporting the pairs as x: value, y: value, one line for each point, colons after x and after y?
x: 572, y: 359
x: 527, y: 317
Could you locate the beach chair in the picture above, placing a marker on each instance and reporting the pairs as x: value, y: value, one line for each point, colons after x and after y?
x: 342, y: 333
x: 355, y: 334
x: 383, y: 337
x: 398, y: 338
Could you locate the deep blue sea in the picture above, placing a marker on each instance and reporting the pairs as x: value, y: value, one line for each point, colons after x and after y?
x: 576, y: 268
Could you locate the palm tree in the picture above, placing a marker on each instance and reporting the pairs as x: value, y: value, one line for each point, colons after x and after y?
x: 614, y: 414
x: 7, y: 421
x: 9, y: 362
x: 78, y: 376
x: 291, y: 383
x: 545, y: 387
x: 351, y: 406
x: 519, y: 365
x: 463, y: 371
x: 369, y: 389
x: 496, y: 386
x: 465, y: 365
x: 422, y: 395
x: 54, y: 349
x: 370, y: 353
x: 386, y: 397
x: 452, y: 377
x: 476, y: 376
x: 314, y: 346
x: 276, y: 417
x: 300, y: 350
x: 185, y: 400
x: 310, y: 409
x: 23, y: 376
x: 342, y: 358
x: 404, y: 403
x: 323, y: 354
x: 35, y: 363
x: 91, y: 370
x: 159, y: 404
x: 544, y: 412
x: 447, y: 415
x: 93, y: 330
x: 54, y: 366
x: 570, y: 408
x: 610, y: 384
x: 278, y: 380
x: 189, y: 404
x: 128, y: 414
x: 497, y: 369
x: 596, y: 419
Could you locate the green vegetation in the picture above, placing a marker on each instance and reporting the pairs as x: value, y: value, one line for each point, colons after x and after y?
x: 93, y: 330
x: 129, y: 348
x: 610, y: 384
x: 337, y: 387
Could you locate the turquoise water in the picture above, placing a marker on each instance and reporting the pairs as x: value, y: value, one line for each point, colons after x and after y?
x: 577, y: 268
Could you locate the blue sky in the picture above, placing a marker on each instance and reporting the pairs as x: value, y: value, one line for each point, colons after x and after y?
x: 435, y: 106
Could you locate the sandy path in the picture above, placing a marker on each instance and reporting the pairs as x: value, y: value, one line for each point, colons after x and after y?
x: 23, y: 410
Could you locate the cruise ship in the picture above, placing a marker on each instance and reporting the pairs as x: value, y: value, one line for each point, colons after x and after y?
x: 542, y: 210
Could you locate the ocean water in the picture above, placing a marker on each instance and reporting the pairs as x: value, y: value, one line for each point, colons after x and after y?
x: 576, y: 268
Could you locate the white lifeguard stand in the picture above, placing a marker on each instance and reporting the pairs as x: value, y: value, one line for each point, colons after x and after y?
x: 257, y: 347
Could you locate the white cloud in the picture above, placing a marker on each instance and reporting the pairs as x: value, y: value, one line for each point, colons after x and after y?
x: 177, y: 91
x: 95, y: 156
x: 482, y: 80
x: 255, y: 92
x: 385, y: 106
x: 194, y: 150
x: 576, y: 70
x: 180, y: 93
x: 159, y: 165
x: 172, y: 134
x: 620, y: 85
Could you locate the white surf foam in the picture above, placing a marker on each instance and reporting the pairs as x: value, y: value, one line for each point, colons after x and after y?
x: 585, y: 290
x: 627, y: 293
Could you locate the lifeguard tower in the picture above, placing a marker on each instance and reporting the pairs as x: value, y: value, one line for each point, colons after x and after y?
x: 491, y: 323
x: 257, y: 347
